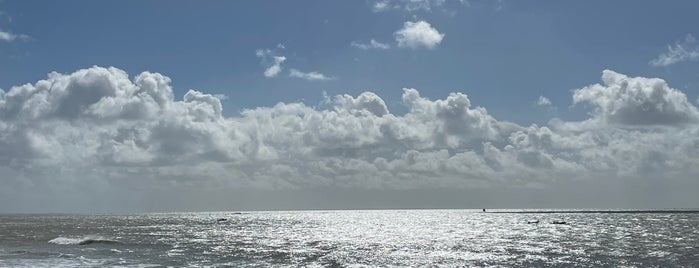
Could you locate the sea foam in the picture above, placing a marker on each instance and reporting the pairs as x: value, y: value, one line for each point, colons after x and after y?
x: 86, y: 240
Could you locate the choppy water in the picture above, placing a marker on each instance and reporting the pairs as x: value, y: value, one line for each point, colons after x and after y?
x: 351, y: 238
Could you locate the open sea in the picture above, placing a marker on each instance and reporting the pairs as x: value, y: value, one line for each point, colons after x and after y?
x: 354, y: 238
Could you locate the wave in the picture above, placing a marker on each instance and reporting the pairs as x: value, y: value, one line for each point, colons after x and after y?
x: 86, y: 240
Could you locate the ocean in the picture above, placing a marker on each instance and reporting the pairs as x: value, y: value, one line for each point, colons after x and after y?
x: 354, y: 238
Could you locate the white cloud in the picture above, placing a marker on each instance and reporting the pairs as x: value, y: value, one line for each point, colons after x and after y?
x: 637, y: 101
x: 381, y: 5
x: 310, y: 76
x: 365, y: 102
x: 683, y: 50
x: 8, y: 36
x: 97, y: 133
x: 276, y: 67
x: 408, y: 5
x: 221, y: 96
x: 418, y: 34
x: 547, y: 106
x: 543, y: 101
x: 273, y: 62
x: 373, y: 44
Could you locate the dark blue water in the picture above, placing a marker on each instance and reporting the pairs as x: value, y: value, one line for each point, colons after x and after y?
x: 352, y: 238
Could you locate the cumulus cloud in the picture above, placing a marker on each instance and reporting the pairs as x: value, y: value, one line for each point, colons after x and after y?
x: 272, y: 61
x: 365, y: 102
x: 418, y: 34
x: 99, y: 132
x: 636, y: 101
x: 373, y: 44
x: 682, y: 50
x: 310, y: 76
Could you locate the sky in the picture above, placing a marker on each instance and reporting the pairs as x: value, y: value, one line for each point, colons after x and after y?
x: 130, y: 106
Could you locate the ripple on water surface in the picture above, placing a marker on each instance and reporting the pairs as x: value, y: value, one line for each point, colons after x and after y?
x: 373, y: 238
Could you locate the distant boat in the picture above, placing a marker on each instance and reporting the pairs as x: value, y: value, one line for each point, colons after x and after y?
x: 558, y: 222
x: 535, y: 222
x: 220, y: 220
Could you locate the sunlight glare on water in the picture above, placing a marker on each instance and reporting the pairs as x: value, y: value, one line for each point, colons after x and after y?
x: 372, y: 238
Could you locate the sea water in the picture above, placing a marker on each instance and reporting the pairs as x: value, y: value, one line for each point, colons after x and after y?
x: 353, y: 238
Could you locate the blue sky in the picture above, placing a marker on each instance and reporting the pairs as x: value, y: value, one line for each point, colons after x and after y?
x: 503, y: 54
x: 347, y: 104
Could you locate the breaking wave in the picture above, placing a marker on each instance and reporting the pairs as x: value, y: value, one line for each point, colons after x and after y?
x: 87, y: 240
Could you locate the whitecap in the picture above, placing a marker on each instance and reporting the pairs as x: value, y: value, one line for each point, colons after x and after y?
x: 65, y: 241
x: 86, y: 240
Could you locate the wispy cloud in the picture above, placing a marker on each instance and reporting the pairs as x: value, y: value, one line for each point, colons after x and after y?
x: 271, y: 60
x: 410, y: 5
x: 9, y: 36
x: 382, y: 5
x: 499, y: 5
x: 220, y: 96
x: 310, y: 76
x: 373, y: 44
x: 683, y: 50
x: 546, y: 105
x: 276, y: 67
x: 418, y: 34
x: 543, y: 101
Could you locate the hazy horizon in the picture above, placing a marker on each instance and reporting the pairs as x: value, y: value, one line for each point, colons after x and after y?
x: 154, y: 106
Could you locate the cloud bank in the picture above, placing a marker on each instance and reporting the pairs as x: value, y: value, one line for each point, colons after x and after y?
x: 97, y: 133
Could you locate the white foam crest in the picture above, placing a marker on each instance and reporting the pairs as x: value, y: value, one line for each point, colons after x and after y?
x: 80, y: 240
x: 65, y: 241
